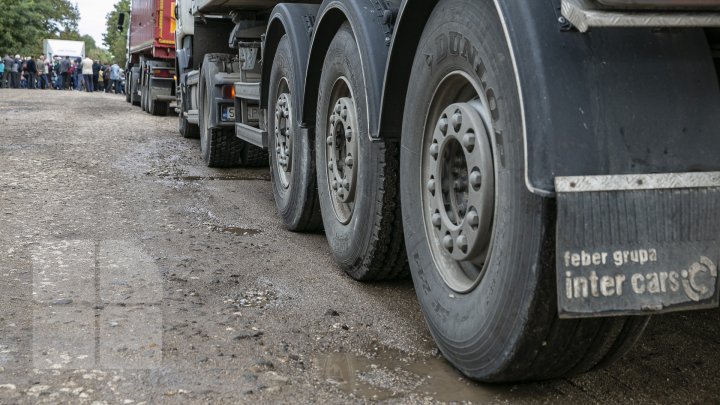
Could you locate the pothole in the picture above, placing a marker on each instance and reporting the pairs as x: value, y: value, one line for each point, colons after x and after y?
x: 236, y: 230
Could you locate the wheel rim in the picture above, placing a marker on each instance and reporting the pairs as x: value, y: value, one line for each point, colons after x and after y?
x: 458, y: 180
x: 342, y: 150
x: 283, y: 133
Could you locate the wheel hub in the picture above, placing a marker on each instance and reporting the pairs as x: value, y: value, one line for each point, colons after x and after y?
x: 342, y: 147
x: 283, y: 137
x: 460, y: 183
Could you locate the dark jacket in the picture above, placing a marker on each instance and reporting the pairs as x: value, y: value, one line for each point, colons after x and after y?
x: 31, y: 66
x: 64, y: 66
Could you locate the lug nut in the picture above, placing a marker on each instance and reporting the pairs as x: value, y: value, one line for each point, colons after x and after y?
x: 348, y: 135
x: 343, y: 114
x: 462, y: 243
x: 436, y: 220
x: 434, y: 150
x: 457, y: 120
x: 338, y: 107
x: 473, y: 219
x: 349, y: 161
x: 443, y: 125
x: 476, y: 179
x: 331, y: 165
x: 431, y: 186
x: 330, y: 140
x: 448, y: 243
x: 346, y: 184
x: 334, y: 185
x: 469, y: 141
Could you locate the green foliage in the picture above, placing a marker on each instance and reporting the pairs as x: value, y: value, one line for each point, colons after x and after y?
x: 25, y: 23
x: 114, y: 40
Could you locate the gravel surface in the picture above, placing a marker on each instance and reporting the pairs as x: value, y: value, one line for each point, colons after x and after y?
x: 130, y: 273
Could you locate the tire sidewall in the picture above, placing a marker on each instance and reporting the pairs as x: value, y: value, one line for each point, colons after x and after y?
x: 477, y: 331
x: 203, y: 93
x: 347, y: 240
x: 288, y: 199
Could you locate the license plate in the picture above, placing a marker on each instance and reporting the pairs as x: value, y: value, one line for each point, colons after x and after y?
x: 228, y: 113
x: 630, y: 245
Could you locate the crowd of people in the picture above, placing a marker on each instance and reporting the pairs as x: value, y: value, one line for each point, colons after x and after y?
x: 79, y: 74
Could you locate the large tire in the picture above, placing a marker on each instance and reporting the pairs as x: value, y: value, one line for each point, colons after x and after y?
x: 359, y: 192
x: 292, y: 155
x: 252, y: 156
x: 144, y: 88
x: 488, y: 293
x: 187, y: 130
x: 159, y: 108
x: 219, y: 146
x: 128, y: 80
x: 134, y: 97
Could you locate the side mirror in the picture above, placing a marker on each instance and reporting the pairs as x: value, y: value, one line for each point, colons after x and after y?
x: 121, y: 22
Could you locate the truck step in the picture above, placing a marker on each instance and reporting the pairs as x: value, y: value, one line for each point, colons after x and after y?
x: 253, y: 135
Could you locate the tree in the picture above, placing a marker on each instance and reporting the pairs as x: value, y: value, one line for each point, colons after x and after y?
x: 114, y: 40
x: 25, y: 23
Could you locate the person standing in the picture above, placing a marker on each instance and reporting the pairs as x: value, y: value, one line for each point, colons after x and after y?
x: 15, y: 72
x: 31, y: 73
x: 96, y: 75
x: 65, y: 72
x: 87, y: 72
x: 46, y: 73
x: 2, y: 73
x: 115, y: 77
x: 7, y: 64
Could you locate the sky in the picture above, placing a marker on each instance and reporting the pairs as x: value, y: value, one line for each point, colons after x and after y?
x: 92, y: 17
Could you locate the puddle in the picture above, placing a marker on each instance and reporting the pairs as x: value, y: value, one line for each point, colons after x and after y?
x: 390, y: 374
x: 245, y: 177
x: 236, y: 231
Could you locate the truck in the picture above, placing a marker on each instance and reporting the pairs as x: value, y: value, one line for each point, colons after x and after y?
x: 61, y: 48
x: 150, y: 68
x: 547, y: 172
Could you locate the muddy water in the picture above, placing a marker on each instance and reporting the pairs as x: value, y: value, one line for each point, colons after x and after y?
x: 386, y: 374
x: 237, y: 230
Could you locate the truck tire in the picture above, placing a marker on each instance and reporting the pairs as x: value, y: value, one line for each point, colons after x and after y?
x: 357, y: 178
x: 219, y: 146
x: 292, y: 155
x: 128, y: 80
x: 252, y: 156
x: 186, y: 129
x: 133, y: 84
x: 481, y: 246
x: 144, y: 94
x: 159, y: 108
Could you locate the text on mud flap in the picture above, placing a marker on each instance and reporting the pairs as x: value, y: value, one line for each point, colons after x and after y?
x: 697, y: 281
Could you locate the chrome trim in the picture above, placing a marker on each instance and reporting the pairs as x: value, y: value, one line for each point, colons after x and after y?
x: 585, y: 14
x: 579, y: 184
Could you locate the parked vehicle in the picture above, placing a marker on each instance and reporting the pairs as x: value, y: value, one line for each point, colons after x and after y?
x: 547, y: 171
x: 150, y: 69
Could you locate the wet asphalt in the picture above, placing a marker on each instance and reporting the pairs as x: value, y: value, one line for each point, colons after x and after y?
x: 130, y: 273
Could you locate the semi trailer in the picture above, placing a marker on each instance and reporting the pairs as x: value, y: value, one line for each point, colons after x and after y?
x: 546, y: 171
x: 150, y: 68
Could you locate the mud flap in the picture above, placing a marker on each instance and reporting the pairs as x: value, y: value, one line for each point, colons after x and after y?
x: 637, y: 244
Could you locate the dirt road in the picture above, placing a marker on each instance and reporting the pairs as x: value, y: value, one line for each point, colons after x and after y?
x: 130, y: 273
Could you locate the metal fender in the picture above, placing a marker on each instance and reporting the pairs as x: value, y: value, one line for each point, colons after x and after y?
x: 297, y: 21
x: 610, y: 101
x: 372, y: 28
